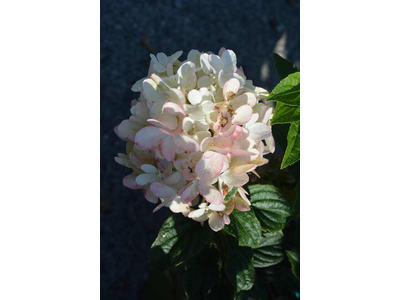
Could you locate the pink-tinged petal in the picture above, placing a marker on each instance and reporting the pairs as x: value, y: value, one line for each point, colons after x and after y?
x: 255, y: 173
x: 234, y: 132
x: 270, y: 148
x: 162, y: 190
x: 149, y: 195
x: 211, y: 194
x: 135, y: 161
x: 232, y: 179
x: 152, y: 91
x: 219, y: 207
x: 123, y: 160
x: 242, y: 115
x: 186, y: 143
x: 227, y: 220
x: 188, y: 175
x: 162, y: 204
x: 126, y: 129
x: 231, y: 87
x: 240, y: 152
x: 208, y: 169
x: 148, y: 138
x: 230, y: 206
x: 241, y: 204
x: 216, y: 222
x: 243, y: 169
x: 173, y: 178
x: 189, y: 192
x: 129, y: 182
x: 168, y: 148
x: 258, y: 131
x: 174, y: 109
x: 223, y: 142
x: 145, y: 178
x: 164, y: 166
x: 165, y: 122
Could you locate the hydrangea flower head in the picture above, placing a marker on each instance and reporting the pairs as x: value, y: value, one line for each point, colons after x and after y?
x: 196, y: 131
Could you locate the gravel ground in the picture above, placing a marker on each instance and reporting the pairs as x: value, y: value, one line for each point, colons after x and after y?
x: 253, y: 29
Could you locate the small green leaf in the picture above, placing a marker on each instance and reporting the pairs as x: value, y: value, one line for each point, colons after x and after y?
x: 245, y: 227
x: 238, y: 266
x: 202, y: 273
x: 178, y: 240
x: 270, y: 206
x: 283, y: 67
x: 269, y: 252
x: 292, y: 153
x: 294, y: 259
x: 287, y: 91
x: 231, y: 193
x: 285, y: 114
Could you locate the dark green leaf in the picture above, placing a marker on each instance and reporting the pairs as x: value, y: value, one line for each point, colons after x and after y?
x: 292, y: 153
x: 294, y: 259
x: 202, y: 273
x: 257, y: 292
x: 239, y: 268
x: 269, y: 252
x: 270, y: 206
x: 231, y: 193
x: 283, y: 67
x: 287, y: 91
x: 245, y: 227
x: 285, y: 114
x: 178, y: 239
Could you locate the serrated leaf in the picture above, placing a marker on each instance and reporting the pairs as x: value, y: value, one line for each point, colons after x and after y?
x: 231, y: 193
x: 202, y: 273
x: 294, y: 259
x: 292, y: 153
x: 178, y: 240
x: 245, y: 227
x: 270, y: 206
x: 287, y: 91
x: 285, y: 114
x: 238, y: 266
x: 283, y: 67
x: 269, y: 252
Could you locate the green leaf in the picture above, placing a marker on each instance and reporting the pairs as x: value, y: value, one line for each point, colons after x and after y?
x: 270, y: 206
x: 283, y: 67
x: 287, y: 91
x: 238, y: 266
x: 294, y: 259
x: 269, y: 252
x: 292, y: 153
x: 178, y: 240
x: 202, y: 273
x: 285, y: 114
x: 256, y: 293
x: 245, y: 227
x: 231, y: 193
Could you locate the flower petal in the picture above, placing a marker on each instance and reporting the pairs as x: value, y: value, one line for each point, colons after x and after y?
x: 242, y: 115
x: 152, y: 91
x: 231, y: 87
x: 168, y: 148
x: 211, y: 194
x: 162, y: 190
x: 145, y: 178
x: 149, y: 169
x: 258, y: 131
x: 216, y: 222
x: 189, y: 192
x: 174, y: 109
x: 228, y: 58
x: 194, y: 97
x: 186, y: 143
x: 130, y: 182
x: 148, y: 138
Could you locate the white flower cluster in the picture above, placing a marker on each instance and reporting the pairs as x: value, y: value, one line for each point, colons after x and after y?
x: 197, y: 129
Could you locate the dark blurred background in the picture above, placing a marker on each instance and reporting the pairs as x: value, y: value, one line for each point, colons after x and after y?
x: 130, y: 30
